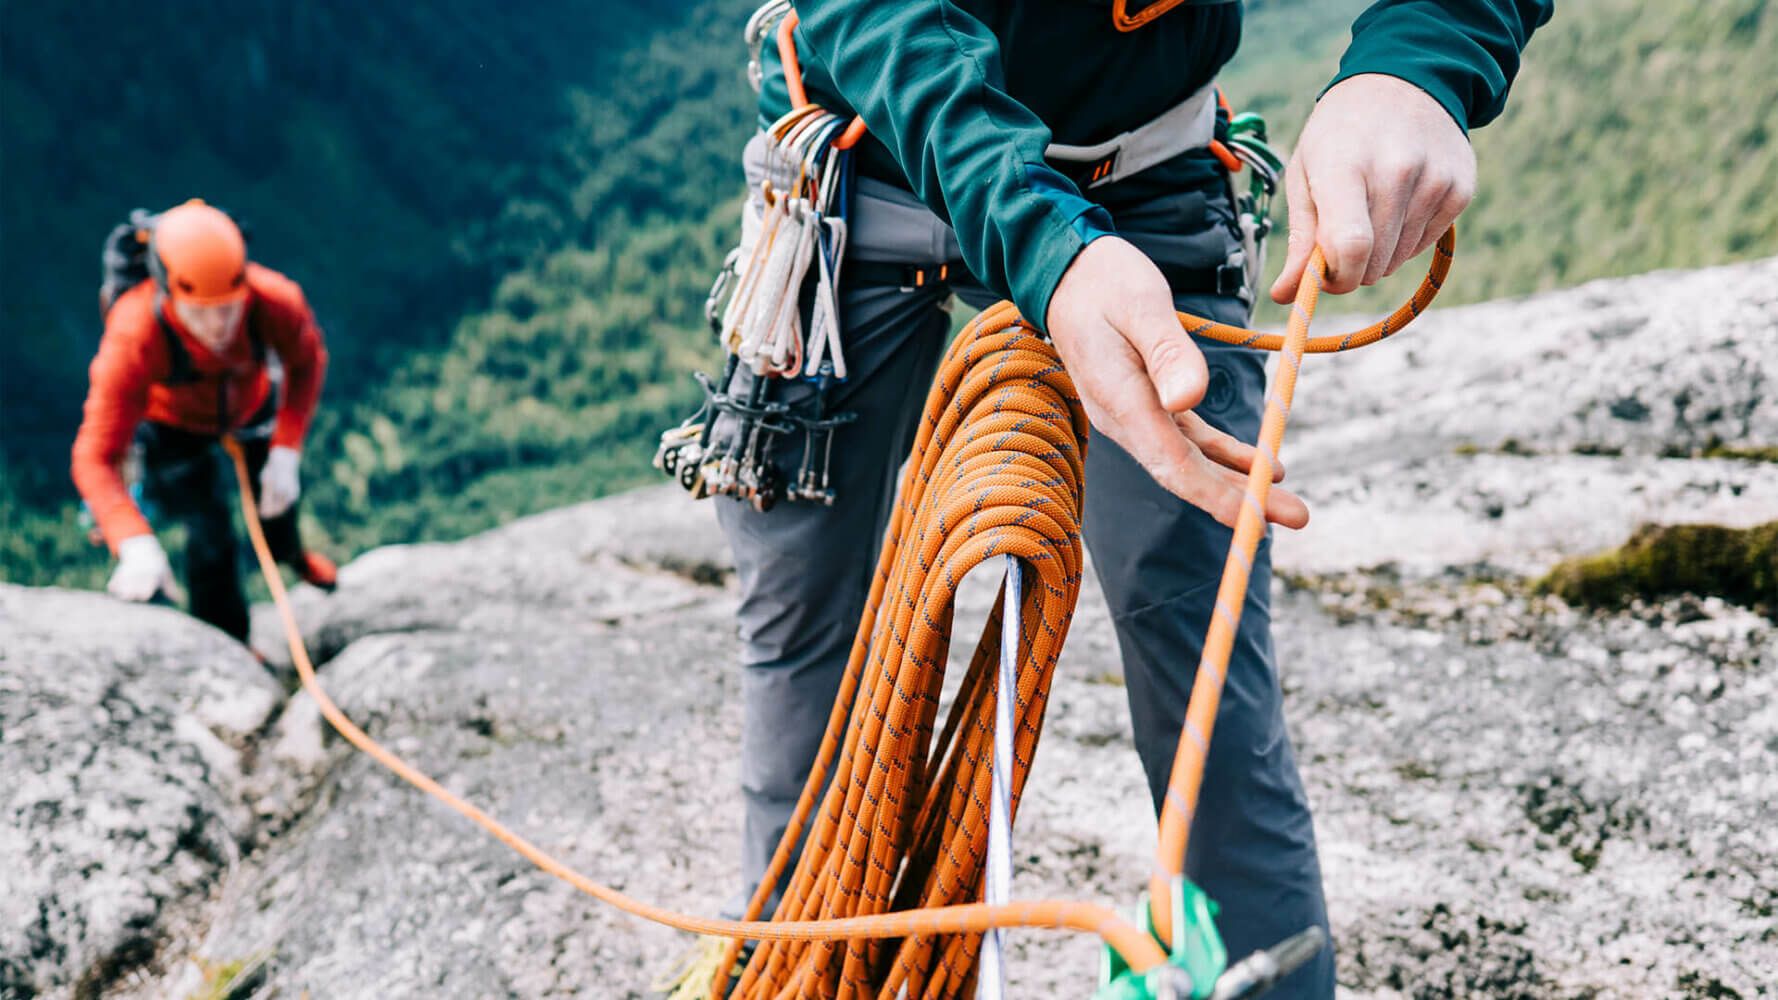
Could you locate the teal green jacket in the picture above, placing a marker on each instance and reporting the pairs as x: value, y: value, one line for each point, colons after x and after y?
x: 963, y: 96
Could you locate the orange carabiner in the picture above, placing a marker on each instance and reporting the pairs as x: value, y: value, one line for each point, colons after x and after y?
x: 793, y: 80
x: 1218, y: 148
x: 1126, y: 22
x: 1222, y: 152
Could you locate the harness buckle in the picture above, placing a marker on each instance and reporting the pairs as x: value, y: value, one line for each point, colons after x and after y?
x: 1231, y: 279
x: 916, y: 276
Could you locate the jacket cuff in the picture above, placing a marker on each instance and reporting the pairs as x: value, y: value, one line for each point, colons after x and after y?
x: 125, y: 526
x: 1071, y: 223
x: 289, y: 432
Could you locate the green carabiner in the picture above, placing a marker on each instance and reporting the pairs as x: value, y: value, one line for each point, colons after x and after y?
x: 1195, y: 959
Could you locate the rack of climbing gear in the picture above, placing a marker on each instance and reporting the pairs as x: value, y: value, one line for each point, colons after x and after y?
x: 780, y: 371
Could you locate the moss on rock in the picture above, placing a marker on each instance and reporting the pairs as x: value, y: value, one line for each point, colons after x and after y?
x: 1736, y: 564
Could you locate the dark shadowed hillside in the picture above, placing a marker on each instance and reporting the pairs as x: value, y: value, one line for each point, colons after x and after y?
x: 374, y: 153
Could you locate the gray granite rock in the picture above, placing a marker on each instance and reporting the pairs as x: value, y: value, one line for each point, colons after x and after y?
x: 1514, y: 798
x: 1521, y: 432
x: 122, y: 796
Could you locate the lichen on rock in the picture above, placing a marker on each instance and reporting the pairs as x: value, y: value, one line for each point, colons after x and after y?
x: 1737, y: 564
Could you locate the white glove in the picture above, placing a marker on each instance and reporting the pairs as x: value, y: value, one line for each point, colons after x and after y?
x: 142, y: 570
x: 278, y: 483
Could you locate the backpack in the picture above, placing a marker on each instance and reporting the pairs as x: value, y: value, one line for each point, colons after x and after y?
x: 123, y: 262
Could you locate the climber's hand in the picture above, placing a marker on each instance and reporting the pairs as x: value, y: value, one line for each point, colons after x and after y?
x: 1381, y: 171
x: 142, y: 570
x: 278, y: 483
x: 1139, y: 375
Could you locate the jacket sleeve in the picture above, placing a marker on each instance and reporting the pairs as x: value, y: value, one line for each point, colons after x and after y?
x: 116, y: 399
x: 304, y: 355
x: 1464, y: 53
x: 927, y: 79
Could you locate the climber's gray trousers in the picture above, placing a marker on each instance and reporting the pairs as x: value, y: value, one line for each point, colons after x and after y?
x: 805, y: 573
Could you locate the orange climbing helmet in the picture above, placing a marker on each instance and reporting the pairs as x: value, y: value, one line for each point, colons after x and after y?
x: 197, y: 255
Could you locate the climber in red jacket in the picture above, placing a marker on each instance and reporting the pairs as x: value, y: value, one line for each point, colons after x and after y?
x: 188, y: 356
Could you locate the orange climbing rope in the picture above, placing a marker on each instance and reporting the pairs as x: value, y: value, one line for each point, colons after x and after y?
x: 997, y: 470
x: 879, y: 902
x: 1187, y: 776
x: 1033, y: 459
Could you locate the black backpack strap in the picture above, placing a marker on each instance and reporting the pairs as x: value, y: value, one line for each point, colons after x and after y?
x: 181, y: 370
x: 250, y: 323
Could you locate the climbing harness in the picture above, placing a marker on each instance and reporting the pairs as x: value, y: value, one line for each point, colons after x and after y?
x: 1238, y: 141
x: 794, y: 234
x: 1188, y: 125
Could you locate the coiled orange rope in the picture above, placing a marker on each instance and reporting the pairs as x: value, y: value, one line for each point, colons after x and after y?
x: 997, y: 470
x: 898, y: 847
x: 862, y: 844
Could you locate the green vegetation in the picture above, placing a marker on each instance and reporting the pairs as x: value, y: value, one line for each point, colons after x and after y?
x: 384, y: 159
x: 1743, y: 453
x: 1639, y: 136
x: 557, y: 392
x: 230, y: 980
x: 596, y: 229
x: 508, y: 217
x: 45, y: 545
x: 1739, y: 565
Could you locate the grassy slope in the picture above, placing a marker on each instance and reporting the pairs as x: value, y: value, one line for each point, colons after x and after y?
x: 557, y: 392
x: 1639, y: 136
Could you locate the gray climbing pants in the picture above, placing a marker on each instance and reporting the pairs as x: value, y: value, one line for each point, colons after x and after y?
x: 805, y: 573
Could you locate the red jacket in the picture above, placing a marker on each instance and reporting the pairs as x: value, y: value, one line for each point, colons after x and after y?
x: 220, y: 393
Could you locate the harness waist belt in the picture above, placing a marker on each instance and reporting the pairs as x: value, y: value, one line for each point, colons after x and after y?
x: 1222, y: 279
x: 1188, y: 125
x: 907, y: 277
